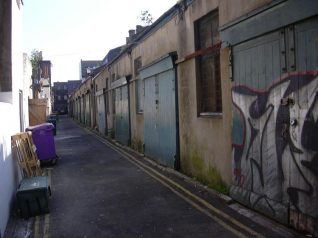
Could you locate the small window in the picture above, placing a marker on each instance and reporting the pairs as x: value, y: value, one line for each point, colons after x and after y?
x: 65, y: 87
x: 207, y: 39
x: 59, y: 98
x: 113, y: 77
x: 65, y: 97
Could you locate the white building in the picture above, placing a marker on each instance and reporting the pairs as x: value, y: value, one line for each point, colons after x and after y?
x: 13, y: 101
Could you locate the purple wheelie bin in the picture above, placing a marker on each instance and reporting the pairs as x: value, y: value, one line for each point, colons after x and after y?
x: 43, y: 139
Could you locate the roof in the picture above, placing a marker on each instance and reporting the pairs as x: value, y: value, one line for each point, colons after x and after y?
x: 92, y: 64
x: 72, y: 85
x: 147, y: 31
x: 112, y: 54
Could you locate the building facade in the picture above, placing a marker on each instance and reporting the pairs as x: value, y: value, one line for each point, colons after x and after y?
x: 14, y: 93
x: 230, y: 98
x: 60, y: 96
x: 61, y: 93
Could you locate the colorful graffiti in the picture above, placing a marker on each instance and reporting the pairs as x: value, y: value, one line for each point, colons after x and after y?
x: 275, y: 144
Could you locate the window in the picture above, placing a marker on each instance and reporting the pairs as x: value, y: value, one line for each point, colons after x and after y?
x: 209, y: 94
x: 140, y: 89
x: 59, y: 98
x: 65, y: 97
x: 65, y: 87
x: 5, y: 47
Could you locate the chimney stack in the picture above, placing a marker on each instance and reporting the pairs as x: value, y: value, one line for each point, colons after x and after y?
x: 138, y: 28
x: 131, y: 33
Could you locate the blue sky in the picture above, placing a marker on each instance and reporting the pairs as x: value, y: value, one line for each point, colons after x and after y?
x: 67, y: 31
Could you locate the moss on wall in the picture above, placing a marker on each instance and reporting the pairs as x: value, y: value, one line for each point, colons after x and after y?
x: 195, y: 166
x: 215, y: 180
x: 137, y: 144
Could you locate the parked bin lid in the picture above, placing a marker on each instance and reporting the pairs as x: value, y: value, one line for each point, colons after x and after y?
x: 33, y: 183
x: 43, y: 126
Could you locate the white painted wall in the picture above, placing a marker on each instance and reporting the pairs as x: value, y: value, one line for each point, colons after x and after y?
x: 10, y: 120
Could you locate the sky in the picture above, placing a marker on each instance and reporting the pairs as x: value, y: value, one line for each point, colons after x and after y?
x: 67, y: 31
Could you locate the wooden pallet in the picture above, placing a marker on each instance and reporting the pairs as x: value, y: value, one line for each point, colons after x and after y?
x: 23, y: 150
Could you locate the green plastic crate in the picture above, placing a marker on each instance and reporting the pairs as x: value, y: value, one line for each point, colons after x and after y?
x: 33, y: 196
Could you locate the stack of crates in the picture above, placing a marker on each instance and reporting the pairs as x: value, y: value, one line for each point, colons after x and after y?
x: 34, y: 190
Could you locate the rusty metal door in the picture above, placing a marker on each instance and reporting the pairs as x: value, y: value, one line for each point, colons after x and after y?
x: 275, y: 114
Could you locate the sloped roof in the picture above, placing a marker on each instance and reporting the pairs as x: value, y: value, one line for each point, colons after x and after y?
x: 112, y: 54
x: 85, y: 64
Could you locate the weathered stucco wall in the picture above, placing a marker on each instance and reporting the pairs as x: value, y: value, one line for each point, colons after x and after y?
x: 159, y: 43
x: 231, y: 9
x: 100, y: 79
x: 150, y: 49
x: 9, y: 108
x: 205, y: 142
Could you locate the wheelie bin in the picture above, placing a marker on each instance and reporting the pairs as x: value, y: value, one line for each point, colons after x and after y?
x: 43, y: 139
x: 52, y: 119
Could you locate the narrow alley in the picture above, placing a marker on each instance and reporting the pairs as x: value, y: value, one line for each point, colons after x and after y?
x: 102, y: 190
x: 176, y: 118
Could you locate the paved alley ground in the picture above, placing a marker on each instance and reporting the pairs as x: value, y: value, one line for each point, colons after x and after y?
x: 99, y: 190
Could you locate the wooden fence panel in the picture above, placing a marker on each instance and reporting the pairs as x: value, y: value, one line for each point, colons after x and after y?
x: 37, y: 111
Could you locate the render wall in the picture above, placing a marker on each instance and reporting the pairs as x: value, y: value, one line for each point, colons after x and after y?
x: 231, y: 10
x: 152, y: 48
x: 205, y: 141
x: 10, y: 120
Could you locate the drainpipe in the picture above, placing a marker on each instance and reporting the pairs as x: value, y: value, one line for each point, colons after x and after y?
x: 105, y: 110
x: 128, y: 78
x: 177, y: 165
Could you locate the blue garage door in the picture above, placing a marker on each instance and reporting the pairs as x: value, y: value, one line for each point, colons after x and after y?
x: 160, y: 111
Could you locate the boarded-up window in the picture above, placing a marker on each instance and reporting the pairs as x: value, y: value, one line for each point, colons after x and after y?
x: 45, y: 69
x: 208, y: 64
x: 140, y: 89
